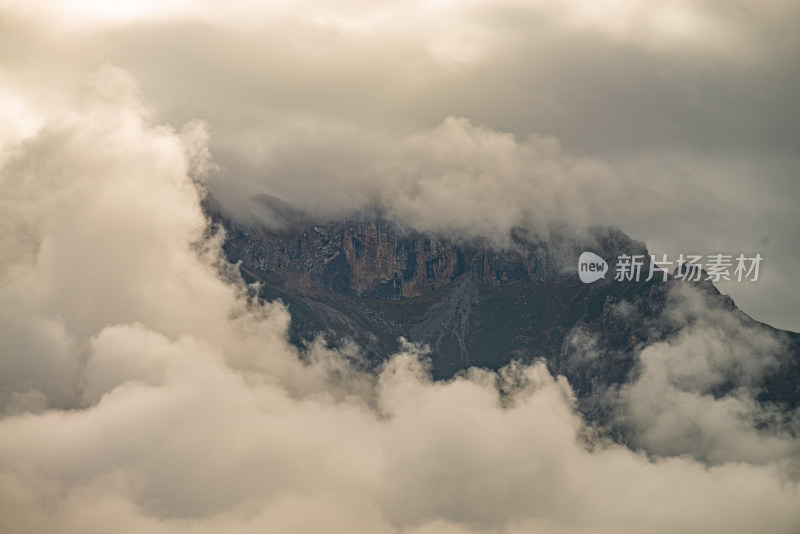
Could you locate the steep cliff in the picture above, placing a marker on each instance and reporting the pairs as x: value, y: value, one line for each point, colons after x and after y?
x: 473, y: 303
x: 374, y: 258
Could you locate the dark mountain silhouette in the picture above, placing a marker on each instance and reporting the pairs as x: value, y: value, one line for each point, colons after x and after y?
x: 474, y: 303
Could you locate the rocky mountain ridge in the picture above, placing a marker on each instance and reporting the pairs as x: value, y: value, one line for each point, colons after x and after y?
x: 373, y: 258
x: 371, y: 281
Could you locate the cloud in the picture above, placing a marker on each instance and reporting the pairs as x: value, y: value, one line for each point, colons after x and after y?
x: 457, y: 178
x: 696, y: 393
x: 685, y: 109
x: 145, y: 391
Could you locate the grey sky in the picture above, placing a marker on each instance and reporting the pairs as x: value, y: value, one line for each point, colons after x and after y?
x: 141, y: 390
x: 689, y: 106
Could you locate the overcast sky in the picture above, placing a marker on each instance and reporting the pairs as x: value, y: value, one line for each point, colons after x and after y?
x: 675, y: 120
x: 142, y: 390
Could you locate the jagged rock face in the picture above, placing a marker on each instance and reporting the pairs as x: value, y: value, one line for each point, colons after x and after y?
x: 373, y: 259
x: 472, y: 303
x: 448, y: 293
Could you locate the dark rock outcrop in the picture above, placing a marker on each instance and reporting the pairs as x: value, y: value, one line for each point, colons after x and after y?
x: 473, y: 303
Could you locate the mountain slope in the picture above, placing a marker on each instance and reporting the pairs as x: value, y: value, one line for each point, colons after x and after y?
x: 474, y: 303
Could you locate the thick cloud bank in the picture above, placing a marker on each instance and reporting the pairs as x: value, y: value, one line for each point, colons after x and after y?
x: 143, y: 392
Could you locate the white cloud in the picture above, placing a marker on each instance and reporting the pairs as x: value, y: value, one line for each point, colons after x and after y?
x: 695, y: 393
x: 148, y: 394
